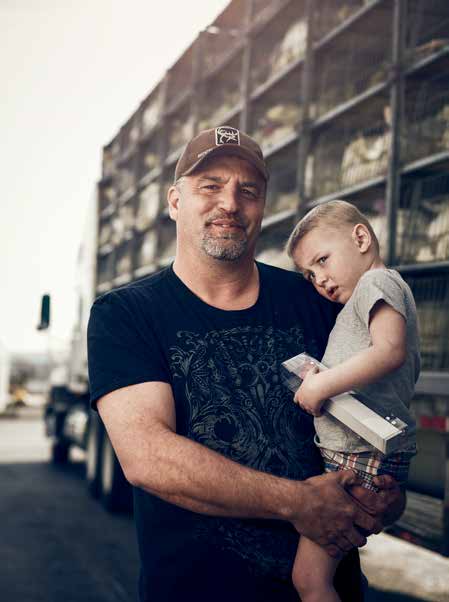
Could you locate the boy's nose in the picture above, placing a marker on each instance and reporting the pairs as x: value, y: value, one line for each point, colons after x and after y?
x: 321, y: 279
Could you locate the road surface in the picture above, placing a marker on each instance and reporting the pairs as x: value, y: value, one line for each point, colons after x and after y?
x: 57, y: 544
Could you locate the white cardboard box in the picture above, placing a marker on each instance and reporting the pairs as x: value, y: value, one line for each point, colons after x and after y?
x: 385, y: 433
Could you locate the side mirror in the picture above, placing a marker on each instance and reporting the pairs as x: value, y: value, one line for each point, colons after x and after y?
x: 45, y: 313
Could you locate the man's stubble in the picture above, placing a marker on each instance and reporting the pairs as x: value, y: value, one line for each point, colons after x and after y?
x: 227, y: 247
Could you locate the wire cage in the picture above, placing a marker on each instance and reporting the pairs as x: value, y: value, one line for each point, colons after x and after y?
x: 107, y: 197
x: 149, y: 157
x: 148, y: 203
x: 279, y: 45
x: 125, y: 178
x: 354, y: 62
x: 220, y: 40
x: 264, y: 10
x: 105, y: 268
x: 124, y: 261
x: 275, y: 116
x: 146, y: 248
x: 426, y: 123
x: 427, y: 30
x: 123, y: 224
x: 282, y: 193
x: 180, y: 80
x: 129, y: 135
x: 431, y: 294
x: 151, y: 110
x: 111, y: 154
x: 271, y: 244
x: 221, y: 95
x: 179, y: 128
x: 105, y: 236
x: 166, y: 247
x: 329, y: 14
x: 349, y: 152
x: 423, y: 220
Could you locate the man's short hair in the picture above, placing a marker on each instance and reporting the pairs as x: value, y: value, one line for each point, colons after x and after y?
x: 333, y: 214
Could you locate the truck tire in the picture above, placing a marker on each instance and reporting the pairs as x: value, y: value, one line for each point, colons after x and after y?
x: 115, y: 490
x: 95, y: 435
x: 59, y: 452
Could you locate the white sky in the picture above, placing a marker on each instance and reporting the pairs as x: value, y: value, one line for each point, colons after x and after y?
x: 71, y: 73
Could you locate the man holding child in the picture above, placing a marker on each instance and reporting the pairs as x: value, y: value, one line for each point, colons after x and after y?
x: 185, y: 373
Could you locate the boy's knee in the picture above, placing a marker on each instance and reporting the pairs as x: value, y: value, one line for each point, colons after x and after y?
x: 307, y: 584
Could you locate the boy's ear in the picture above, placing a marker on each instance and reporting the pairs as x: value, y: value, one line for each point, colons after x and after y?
x: 361, y: 237
x: 173, y: 195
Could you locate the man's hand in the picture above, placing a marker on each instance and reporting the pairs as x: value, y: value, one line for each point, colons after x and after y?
x: 330, y: 516
x: 388, y: 504
x: 309, y: 395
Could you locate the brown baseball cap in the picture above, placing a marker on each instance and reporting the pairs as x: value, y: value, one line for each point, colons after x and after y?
x: 223, y: 140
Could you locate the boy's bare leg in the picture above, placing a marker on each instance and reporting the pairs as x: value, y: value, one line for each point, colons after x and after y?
x: 313, y: 573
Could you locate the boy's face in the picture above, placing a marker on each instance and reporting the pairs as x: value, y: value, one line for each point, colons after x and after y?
x: 333, y: 260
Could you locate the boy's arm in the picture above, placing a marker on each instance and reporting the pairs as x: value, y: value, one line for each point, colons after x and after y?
x: 387, y: 353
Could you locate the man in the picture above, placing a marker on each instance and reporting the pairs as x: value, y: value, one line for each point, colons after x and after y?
x: 184, y: 370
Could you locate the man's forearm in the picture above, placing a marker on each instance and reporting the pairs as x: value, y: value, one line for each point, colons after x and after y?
x: 197, y: 478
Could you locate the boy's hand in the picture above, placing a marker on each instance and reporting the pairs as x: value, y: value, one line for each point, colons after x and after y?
x: 309, y: 395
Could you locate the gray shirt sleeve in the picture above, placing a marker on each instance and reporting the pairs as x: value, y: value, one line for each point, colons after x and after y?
x: 374, y: 286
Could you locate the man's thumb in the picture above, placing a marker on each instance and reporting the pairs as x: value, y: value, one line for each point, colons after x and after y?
x: 348, y: 478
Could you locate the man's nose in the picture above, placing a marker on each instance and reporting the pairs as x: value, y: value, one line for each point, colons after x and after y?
x: 229, y: 199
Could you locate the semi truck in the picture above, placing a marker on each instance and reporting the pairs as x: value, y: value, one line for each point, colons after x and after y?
x: 348, y: 99
x: 5, y: 366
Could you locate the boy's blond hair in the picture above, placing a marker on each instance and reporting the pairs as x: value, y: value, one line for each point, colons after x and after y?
x: 333, y: 214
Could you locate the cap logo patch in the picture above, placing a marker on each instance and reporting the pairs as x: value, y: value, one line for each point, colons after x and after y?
x: 226, y: 135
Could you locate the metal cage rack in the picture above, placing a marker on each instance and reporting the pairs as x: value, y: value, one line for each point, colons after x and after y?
x: 348, y: 98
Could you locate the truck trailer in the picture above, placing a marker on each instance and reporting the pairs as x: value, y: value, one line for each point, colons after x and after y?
x: 348, y: 99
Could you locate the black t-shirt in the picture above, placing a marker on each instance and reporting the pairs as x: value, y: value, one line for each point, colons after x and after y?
x: 224, y: 369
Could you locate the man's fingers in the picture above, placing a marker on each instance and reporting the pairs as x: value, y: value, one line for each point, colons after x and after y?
x: 333, y: 550
x: 347, y: 478
x: 355, y: 538
x: 385, y: 481
x: 370, y: 523
x: 369, y: 500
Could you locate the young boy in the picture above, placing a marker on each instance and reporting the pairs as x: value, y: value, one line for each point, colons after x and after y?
x: 372, y: 348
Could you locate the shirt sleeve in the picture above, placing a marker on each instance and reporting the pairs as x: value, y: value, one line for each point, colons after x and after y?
x: 374, y: 286
x: 122, y: 348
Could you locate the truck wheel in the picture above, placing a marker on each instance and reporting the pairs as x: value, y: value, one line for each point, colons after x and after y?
x: 93, y: 449
x: 115, y: 490
x: 59, y: 452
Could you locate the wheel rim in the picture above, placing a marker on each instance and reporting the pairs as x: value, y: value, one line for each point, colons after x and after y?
x: 92, y: 456
x: 107, y: 467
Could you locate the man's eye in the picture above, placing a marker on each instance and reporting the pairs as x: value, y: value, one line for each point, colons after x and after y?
x: 249, y: 192
x: 210, y: 187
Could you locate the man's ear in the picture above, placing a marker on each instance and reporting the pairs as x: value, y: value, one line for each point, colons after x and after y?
x: 361, y: 237
x: 173, y: 196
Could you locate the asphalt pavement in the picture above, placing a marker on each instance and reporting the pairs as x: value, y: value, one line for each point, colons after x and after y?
x: 59, y: 545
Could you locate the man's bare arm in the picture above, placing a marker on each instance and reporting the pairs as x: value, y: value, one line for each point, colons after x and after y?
x: 141, y: 424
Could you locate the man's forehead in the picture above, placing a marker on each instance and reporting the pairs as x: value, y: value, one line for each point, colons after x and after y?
x: 222, y: 165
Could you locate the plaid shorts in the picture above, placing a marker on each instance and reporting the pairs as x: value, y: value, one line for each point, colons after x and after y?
x: 367, y: 465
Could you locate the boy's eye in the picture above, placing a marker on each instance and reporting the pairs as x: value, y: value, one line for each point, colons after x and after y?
x: 310, y: 276
x: 322, y: 260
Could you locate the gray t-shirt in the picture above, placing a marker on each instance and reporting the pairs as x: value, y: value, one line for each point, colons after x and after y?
x: 392, y: 393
